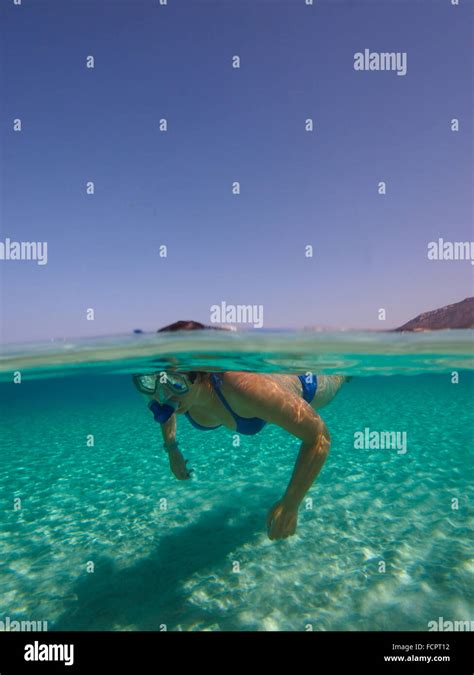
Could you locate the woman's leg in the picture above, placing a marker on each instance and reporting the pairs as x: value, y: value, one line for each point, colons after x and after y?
x: 328, y: 386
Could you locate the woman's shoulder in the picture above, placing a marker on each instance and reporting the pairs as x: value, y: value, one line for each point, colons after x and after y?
x: 250, y: 389
x: 242, y: 380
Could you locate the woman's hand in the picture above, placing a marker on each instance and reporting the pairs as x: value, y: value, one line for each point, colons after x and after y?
x: 178, y: 464
x: 282, y: 520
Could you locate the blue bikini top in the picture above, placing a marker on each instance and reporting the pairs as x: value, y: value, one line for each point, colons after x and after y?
x: 251, y: 425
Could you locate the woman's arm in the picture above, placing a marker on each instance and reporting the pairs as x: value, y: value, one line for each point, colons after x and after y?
x: 264, y: 398
x: 282, y: 517
x: 168, y: 431
x: 176, y: 459
x: 308, y: 464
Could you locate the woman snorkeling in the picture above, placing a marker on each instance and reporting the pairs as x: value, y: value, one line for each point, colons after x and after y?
x: 245, y: 402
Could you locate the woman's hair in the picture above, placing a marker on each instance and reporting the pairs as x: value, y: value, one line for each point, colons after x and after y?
x: 182, y: 325
x: 187, y: 325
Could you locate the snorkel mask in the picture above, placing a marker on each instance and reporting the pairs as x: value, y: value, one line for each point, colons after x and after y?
x: 163, y: 385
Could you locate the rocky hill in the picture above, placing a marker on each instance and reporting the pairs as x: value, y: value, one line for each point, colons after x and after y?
x: 459, y: 315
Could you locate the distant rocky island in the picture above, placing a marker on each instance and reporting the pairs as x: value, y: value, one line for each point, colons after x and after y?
x: 459, y: 315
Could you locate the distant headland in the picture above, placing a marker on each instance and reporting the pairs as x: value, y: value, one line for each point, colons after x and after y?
x: 459, y: 315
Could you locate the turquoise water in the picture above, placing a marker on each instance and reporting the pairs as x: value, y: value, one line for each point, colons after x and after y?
x: 153, y: 566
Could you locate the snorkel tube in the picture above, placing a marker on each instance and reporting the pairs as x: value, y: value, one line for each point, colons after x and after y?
x: 161, y: 412
x: 175, y: 384
x: 162, y: 409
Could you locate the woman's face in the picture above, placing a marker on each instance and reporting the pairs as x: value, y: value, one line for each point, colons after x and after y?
x: 182, y: 402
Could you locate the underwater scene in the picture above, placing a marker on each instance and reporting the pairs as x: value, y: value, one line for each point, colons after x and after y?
x: 97, y: 533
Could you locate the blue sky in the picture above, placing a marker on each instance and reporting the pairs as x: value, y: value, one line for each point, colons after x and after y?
x: 225, y: 125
